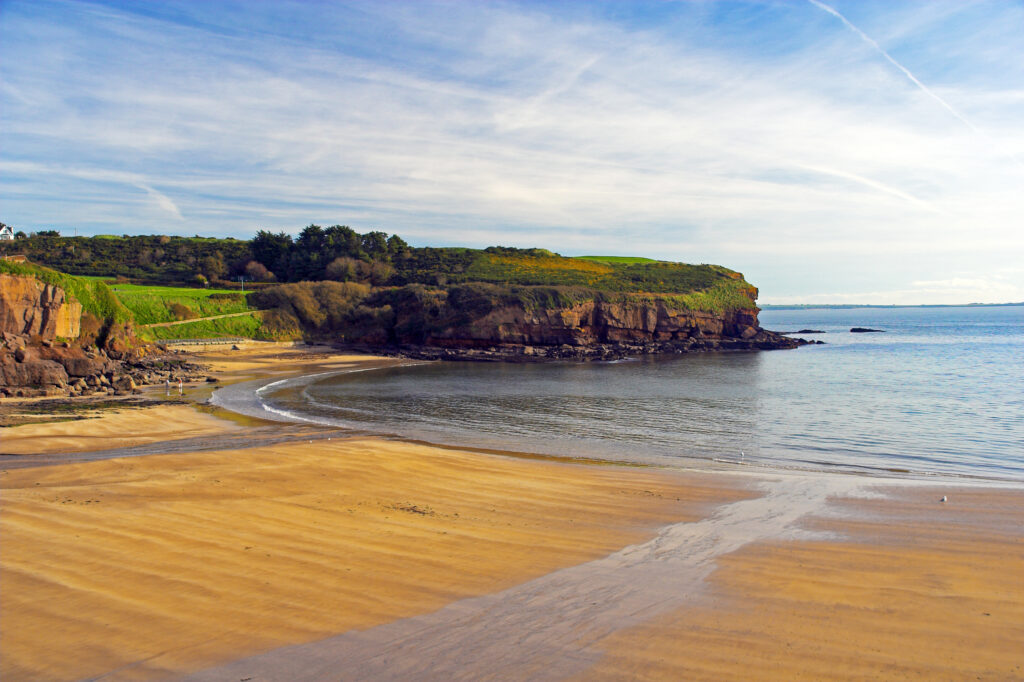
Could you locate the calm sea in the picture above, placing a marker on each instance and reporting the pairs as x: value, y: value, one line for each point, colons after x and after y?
x: 941, y: 391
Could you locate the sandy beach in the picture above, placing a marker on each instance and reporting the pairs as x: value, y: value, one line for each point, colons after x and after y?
x: 366, y: 558
x: 912, y: 590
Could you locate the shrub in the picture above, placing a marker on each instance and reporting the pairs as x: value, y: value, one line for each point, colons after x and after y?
x: 345, y: 269
x: 258, y: 272
x: 181, y: 311
x: 279, y: 325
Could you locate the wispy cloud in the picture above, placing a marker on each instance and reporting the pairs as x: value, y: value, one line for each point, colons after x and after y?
x: 556, y: 126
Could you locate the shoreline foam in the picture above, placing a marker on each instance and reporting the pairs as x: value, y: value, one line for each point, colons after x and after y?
x: 251, y: 403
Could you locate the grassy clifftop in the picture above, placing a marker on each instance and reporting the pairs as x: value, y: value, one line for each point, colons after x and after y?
x: 341, y: 254
x: 627, y: 275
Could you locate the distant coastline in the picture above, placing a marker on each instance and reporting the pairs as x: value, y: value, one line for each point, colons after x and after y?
x: 849, y: 306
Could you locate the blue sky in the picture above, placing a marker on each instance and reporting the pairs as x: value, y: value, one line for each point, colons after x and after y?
x: 838, y: 152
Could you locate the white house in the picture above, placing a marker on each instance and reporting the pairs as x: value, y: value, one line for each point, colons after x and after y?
x: 6, y: 233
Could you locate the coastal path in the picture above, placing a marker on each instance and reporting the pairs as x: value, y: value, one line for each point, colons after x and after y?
x: 202, y: 319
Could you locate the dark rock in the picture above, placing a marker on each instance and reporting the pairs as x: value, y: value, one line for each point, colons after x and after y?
x: 81, y: 366
x: 32, y: 373
x: 865, y: 330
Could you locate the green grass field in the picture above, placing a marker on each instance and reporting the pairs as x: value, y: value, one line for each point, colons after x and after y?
x: 616, y: 259
x: 246, y: 326
x: 153, y: 304
x: 149, y: 304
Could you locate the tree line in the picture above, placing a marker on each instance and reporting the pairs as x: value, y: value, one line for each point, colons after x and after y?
x: 337, y: 253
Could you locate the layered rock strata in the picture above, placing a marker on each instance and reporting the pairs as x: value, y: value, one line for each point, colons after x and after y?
x: 592, y: 330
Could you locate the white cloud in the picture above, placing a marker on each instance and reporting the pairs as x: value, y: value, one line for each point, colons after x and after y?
x: 506, y: 123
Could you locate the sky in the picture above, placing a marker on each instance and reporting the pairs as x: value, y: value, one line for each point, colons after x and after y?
x: 833, y: 152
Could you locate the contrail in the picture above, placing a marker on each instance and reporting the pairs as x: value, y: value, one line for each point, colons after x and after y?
x: 913, y: 79
x: 162, y: 200
x: 868, y: 182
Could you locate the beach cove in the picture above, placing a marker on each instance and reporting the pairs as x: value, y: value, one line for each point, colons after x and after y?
x: 171, y: 541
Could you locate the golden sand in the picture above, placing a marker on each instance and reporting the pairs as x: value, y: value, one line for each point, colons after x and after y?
x: 112, y: 429
x: 163, y: 564
x: 919, y: 591
x: 265, y: 357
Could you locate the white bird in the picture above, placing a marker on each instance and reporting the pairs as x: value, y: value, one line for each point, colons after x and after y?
x: 943, y: 499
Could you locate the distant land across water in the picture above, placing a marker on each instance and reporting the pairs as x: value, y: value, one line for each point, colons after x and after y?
x: 853, y: 306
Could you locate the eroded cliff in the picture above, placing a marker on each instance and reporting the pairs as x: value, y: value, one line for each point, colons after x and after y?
x: 32, y: 308
x: 485, y: 320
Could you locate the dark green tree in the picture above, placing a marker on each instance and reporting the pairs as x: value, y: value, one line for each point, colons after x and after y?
x: 272, y: 250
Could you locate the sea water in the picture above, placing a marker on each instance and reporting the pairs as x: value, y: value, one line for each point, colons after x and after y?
x: 939, y: 391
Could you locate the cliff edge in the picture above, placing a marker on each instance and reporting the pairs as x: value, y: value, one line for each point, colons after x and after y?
x: 488, y: 321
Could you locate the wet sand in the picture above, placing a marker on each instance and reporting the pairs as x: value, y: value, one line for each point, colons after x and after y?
x: 287, y: 558
x: 258, y: 358
x: 116, y: 428
x: 913, y: 590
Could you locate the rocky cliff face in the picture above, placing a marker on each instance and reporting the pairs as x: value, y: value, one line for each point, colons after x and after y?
x: 592, y: 329
x: 29, y: 307
x: 594, y: 322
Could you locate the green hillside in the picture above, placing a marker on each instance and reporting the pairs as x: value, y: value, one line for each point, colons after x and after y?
x: 339, y: 253
x: 151, y: 304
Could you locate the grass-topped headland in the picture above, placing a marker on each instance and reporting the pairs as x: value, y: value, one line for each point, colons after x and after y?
x: 336, y: 284
x: 338, y: 253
